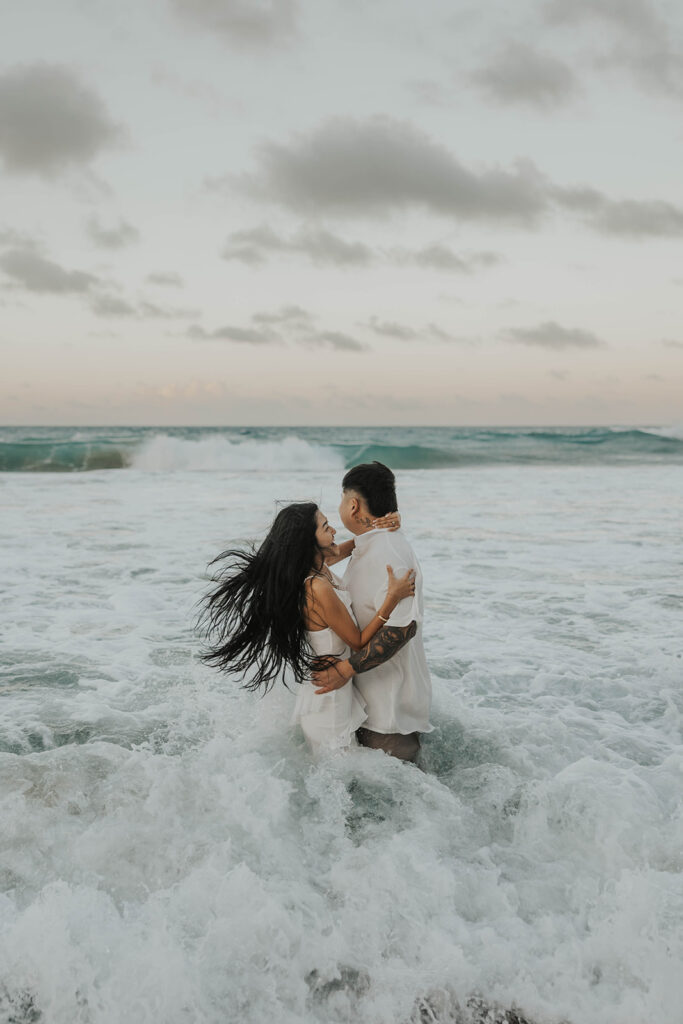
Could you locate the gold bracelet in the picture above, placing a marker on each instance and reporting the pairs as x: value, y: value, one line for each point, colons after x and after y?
x: 382, y: 617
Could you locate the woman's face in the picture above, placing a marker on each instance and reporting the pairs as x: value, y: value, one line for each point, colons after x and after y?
x: 325, y: 533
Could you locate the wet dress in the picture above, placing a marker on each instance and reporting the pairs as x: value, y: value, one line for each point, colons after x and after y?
x: 329, y: 720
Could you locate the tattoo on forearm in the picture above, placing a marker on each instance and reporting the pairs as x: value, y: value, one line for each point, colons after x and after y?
x: 384, y: 645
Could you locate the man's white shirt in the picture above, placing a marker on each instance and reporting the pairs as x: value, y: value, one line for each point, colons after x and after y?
x: 398, y: 693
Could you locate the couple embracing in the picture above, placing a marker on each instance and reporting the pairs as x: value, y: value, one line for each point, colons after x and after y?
x: 354, y: 645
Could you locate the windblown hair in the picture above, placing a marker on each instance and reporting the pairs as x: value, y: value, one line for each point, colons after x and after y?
x: 254, y: 619
x: 376, y: 484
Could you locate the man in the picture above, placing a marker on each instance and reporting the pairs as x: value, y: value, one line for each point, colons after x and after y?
x: 391, y: 670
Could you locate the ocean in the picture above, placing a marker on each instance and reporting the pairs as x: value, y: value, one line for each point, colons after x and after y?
x: 171, y: 853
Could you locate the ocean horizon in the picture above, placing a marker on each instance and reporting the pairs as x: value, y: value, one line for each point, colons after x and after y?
x: 165, y: 448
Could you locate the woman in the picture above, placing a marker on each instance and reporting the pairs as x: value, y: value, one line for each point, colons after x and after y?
x: 278, y: 607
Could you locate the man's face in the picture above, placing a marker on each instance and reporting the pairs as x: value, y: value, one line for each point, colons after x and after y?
x: 349, y: 505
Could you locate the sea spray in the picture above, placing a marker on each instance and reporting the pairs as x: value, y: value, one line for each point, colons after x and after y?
x: 171, y: 852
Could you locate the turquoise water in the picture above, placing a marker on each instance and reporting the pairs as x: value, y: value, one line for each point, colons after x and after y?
x: 71, y: 449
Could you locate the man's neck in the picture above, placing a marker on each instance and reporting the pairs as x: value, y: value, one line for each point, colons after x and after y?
x: 363, y: 524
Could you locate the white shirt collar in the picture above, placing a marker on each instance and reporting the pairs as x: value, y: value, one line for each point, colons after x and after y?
x: 363, y: 539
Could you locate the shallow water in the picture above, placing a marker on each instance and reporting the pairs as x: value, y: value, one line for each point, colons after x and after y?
x: 170, y: 852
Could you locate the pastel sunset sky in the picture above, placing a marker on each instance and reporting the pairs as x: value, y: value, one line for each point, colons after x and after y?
x: 341, y: 211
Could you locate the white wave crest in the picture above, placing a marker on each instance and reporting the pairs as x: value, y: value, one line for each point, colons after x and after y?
x: 166, y: 453
x: 675, y: 431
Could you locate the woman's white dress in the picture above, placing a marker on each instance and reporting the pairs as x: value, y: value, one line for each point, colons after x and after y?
x: 329, y: 720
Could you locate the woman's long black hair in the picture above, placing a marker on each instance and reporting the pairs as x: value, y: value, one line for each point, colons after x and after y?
x: 254, y: 619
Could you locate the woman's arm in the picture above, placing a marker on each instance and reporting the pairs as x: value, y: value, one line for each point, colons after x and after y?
x: 326, y: 609
x: 390, y: 522
x: 342, y: 551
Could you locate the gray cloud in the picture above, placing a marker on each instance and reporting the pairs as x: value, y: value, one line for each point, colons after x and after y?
x: 286, y: 316
x: 401, y: 332
x: 440, y: 257
x: 321, y: 246
x: 643, y: 45
x: 520, y: 74
x: 111, y: 305
x: 391, y: 329
x: 439, y: 334
x: 337, y: 340
x: 242, y: 335
x: 382, y: 165
x: 165, y: 278
x: 635, y: 218
x: 50, y: 120
x: 150, y: 309
x: 552, y: 335
x: 670, y: 343
x: 242, y: 21
x: 114, y: 237
x: 640, y: 218
x: 38, y: 274
x: 10, y: 237
x: 107, y: 305
x: 634, y: 16
x: 294, y: 322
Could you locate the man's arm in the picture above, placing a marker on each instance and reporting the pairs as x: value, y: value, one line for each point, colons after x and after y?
x: 384, y: 645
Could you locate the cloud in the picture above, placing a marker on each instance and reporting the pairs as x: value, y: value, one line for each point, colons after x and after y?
x: 286, y: 316
x: 10, y: 237
x: 255, y: 22
x: 166, y: 279
x: 321, y: 246
x: 391, y: 329
x: 38, y: 274
x: 114, y: 237
x: 49, y: 120
x: 382, y: 165
x: 440, y: 257
x: 401, y: 332
x: 634, y: 218
x: 107, y: 305
x: 252, y: 246
x: 637, y: 17
x: 640, y: 218
x: 643, y: 45
x: 671, y: 343
x: 520, y: 74
x: 293, y: 322
x: 111, y: 305
x: 551, y: 335
x: 337, y: 340
x: 150, y: 309
x: 242, y: 335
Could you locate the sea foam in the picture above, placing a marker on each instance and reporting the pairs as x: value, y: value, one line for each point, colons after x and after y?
x: 216, y: 454
x: 171, y: 852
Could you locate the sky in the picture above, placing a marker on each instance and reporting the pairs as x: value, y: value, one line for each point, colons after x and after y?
x: 341, y: 212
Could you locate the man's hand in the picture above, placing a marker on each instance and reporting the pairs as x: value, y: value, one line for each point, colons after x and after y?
x: 333, y: 678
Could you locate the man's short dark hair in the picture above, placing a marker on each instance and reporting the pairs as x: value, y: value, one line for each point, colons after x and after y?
x: 376, y: 484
